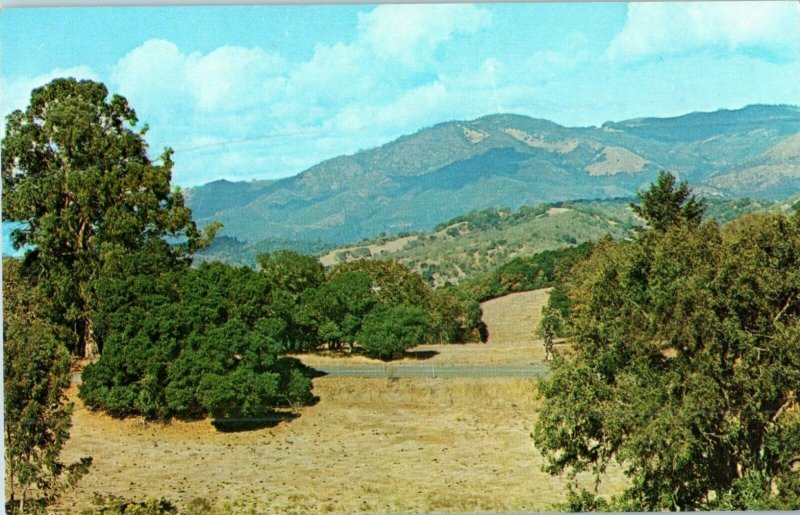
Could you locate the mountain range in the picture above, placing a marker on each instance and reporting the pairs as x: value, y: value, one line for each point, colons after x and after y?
x: 507, y: 160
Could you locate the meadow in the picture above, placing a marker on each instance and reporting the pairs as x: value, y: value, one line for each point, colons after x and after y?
x: 378, y: 445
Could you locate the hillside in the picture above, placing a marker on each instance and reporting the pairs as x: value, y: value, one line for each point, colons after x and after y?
x: 416, y: 181
x: 481, y: 241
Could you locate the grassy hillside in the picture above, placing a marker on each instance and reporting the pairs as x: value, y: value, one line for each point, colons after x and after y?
x: 483, y: 240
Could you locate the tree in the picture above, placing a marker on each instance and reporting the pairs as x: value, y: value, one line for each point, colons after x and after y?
x: 685, y: 369
x: 291, y: 271
x: 388, y: 331
x: 36, y: 417
x: 455, y: 316
x: 190, y: 342
x: 341, y: 304
x: 292, y: 279
x: 663, y: 205
x: 392, y: 282
x: 79, y: 177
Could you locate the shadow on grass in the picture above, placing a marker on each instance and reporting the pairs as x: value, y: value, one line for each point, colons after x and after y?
x: 268, y: 420
x: 420, y: 354
x: 285, y: 411
x: 310, y: 372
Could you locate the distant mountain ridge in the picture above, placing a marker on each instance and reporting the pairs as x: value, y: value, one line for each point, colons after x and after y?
x: 508, y: 160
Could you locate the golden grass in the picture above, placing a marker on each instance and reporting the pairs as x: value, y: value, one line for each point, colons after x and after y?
x: 375, y: 249
x: 369, y: 445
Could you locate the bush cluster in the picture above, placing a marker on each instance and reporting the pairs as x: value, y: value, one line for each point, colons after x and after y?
x: 190, y: 342
x: 211, y: 340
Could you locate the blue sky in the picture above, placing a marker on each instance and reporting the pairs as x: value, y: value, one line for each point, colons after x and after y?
x: 266, y: 91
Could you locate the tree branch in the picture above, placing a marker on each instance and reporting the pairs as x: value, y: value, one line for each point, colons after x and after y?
x: 783, y: 309
x: 790, y: 401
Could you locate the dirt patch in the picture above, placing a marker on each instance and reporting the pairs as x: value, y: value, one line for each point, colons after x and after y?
x: 474, y: 136
x: 538, y: 141
x: 389, y: 247
x: 614, y: 160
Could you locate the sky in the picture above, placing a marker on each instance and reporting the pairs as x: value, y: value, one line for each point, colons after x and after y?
x: 263, y: 92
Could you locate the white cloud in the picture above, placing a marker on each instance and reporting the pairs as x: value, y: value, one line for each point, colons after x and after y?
x: 409, y: 107
x: 393, y: 43
x: 411, y: 33
x: 335, y: 75
x: 16, y: 93
x: 233, y: 77
x: 671, y: 28
x: 158, y: 74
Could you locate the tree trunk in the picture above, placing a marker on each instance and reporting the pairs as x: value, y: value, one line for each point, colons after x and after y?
x: 90, y: 348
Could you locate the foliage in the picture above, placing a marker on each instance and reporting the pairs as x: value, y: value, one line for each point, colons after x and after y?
x: 36, y: 417
x: 685, y: 368
x: 341, y: 304
x: 542, y: 270
x: 581, y: 500
x: 392, y: 283
x: 291, y: 271
x: 191, y: 342
x: 663, y: 205
x: 77, y: 173
x: 208, y: 341
x: 388, y: 331
x: 455, y: 316
x: 115, y: 505
x: 194, y: 342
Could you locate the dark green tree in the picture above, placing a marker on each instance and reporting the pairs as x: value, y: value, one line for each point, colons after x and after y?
x: 292, y: 278
x: 685, y: 368
x: 78, y: 175
x: 290, y: 271
x: 388, y: 331
x: 341, y: 305
x: 392, y: 283
x: 37, y: 417
x: 663, y: 205
x: 192, y: 342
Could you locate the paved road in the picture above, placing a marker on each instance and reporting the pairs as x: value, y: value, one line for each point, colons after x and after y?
x: 389, y: 370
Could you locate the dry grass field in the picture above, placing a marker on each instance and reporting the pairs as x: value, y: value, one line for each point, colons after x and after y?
x: 376, y: 445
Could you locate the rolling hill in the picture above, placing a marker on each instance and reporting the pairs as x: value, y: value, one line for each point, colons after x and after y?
x: 416, y: 181
x: 481, y: 241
